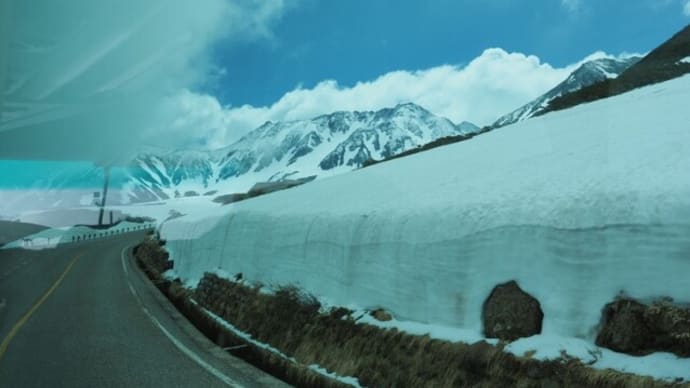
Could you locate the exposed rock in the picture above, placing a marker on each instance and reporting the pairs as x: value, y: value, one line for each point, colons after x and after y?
x: 661, y: 64
x: 381, y: 315
x: 510, y: 313
x: 230, y: 198
x: 340, y: 313
x: 269, y: 187
x: 632, y: 327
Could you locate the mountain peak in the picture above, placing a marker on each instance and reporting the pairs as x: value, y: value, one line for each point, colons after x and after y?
x: 661, y: 64
x: 588, y: 73
x: 408, y: 105
x: 465, y: 127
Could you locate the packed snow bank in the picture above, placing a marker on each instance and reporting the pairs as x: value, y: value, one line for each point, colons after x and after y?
x: 576, y: 206
x: 551, y: 347
x: 548, y: 347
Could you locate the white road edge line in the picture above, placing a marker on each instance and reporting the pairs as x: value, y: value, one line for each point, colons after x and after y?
x: 132, y: 291
x: 189, y: 353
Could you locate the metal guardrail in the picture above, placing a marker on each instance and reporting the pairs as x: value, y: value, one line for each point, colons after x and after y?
x: 108, y: 233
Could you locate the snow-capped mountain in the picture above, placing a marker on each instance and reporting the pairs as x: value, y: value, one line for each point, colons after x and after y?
x: 174, y: 174
x: 587, y: 74
x: 323, y: 146
x: 665, y: 62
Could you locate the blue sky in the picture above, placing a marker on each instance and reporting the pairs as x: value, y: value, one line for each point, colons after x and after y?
x: 359, y: 40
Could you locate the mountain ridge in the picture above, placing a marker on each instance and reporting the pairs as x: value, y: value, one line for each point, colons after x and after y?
x: 665, y: 62
x: 324, y: 145
x: 586, y: 74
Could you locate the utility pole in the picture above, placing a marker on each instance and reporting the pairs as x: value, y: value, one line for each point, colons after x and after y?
x: 106, y: 175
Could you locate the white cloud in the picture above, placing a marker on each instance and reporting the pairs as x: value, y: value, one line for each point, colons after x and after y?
x: 684, y: 5
x: 238, y: 20
x: 572, y: 6
x: 252, y: 19
x: 109, y: 68
x: 494, y: 83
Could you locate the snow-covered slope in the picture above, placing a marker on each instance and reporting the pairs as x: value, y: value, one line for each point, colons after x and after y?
x: 171, y: 175
x: 577, y: 206
x: 587, y: 74
x: 323, y: 146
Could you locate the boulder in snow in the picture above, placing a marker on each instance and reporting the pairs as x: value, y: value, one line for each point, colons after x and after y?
x: 510, y: 313
x: 381, y: 315
x: 629, y: 326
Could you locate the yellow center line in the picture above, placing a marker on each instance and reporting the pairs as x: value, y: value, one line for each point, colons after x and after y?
x: 22, y: 321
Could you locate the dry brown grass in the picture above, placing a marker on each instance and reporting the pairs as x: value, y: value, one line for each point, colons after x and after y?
x: 290, y: 321
x: 152, y: 258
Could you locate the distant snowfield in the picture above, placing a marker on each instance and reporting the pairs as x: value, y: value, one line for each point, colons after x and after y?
x: 52, y: 237
x: 65, y: 217
x: 192, y: 207
x: 577, y: 206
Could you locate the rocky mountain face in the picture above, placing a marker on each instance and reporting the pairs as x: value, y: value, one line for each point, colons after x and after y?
x: 669, y: 60
x: 181, y: 173
x: 325, y: 145
x: 587, y: 74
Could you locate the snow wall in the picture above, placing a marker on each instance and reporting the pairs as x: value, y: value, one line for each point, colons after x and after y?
x: 577, y: 206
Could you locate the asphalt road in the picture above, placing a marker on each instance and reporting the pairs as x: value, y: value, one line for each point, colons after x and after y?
x: 83, y: 315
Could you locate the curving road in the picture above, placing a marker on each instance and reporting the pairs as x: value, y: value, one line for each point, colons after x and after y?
x: 83, y: 315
